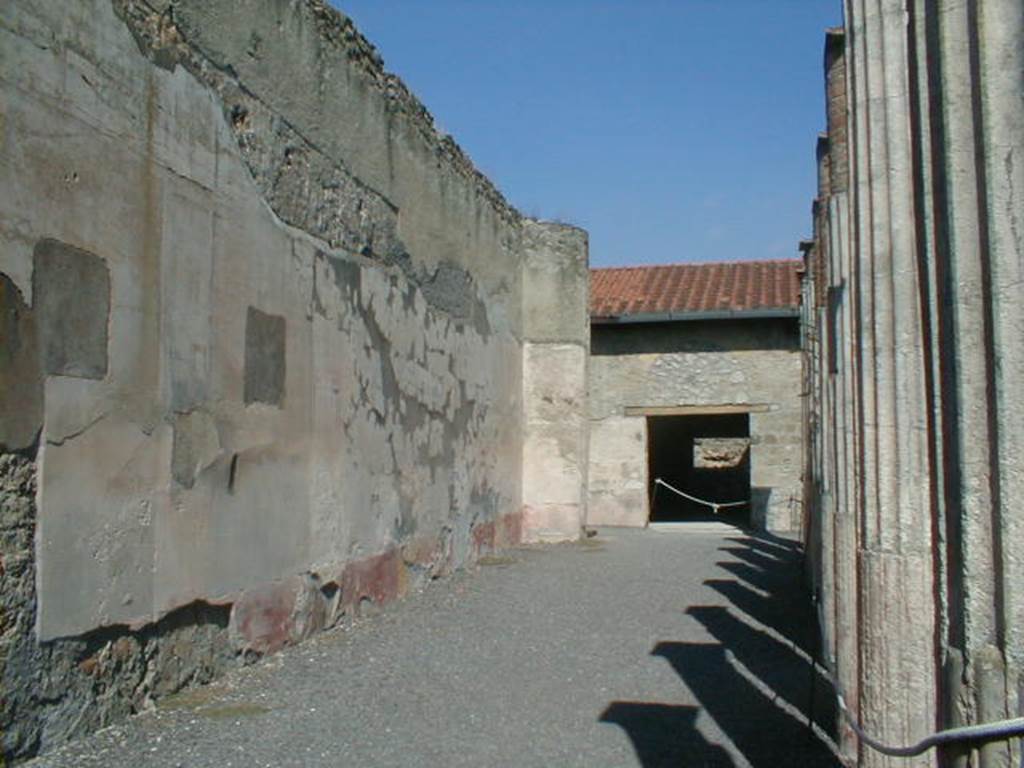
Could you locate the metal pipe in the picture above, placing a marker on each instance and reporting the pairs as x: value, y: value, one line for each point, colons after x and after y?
x: 998, y: 730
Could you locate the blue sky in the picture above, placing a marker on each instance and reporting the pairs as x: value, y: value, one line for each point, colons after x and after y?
x: 672, y: 130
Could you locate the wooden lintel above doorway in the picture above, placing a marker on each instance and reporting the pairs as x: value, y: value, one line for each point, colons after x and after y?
x: 695, y: 410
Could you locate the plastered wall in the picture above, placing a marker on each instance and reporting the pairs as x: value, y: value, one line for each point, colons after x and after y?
x: 557, y: 331
x: 754, y: 365
x: 263, y: 339
x: 227, y: 398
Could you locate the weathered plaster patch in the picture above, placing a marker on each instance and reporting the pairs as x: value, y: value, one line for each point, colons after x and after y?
x: 406, y: 396
x: 72, y: 308
x: 196, y: 446
x: 265, y: 362
x: 556, y: 333
x: 554, y: 440
x: 617, y: 479
x: 304, y: 182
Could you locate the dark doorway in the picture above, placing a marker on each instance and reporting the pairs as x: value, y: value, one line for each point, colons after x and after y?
x: 706, y: 456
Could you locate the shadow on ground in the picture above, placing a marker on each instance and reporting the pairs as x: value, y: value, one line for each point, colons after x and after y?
x: 755, y: 681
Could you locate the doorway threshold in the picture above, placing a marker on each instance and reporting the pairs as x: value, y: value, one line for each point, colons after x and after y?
x: 695, y: 526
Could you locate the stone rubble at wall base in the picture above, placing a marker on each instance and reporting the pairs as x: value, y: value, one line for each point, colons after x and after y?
x: 71, y: 687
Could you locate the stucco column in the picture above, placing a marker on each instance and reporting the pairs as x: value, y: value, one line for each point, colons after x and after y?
x: 556, y: 340
x: 966, y: 286
x: 836, y: 321
x: 922, y: 403
x: 897, y: 690
x: 878, y: 573
x: 898, y: 672
x: 1001, y: 26
x: 848, y: 646
x: 976, y: 598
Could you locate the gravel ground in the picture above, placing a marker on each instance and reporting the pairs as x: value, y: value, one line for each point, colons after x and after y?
x: 631, y: 648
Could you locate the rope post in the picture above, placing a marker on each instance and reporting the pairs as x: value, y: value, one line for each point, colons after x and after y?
x: 815, y: 643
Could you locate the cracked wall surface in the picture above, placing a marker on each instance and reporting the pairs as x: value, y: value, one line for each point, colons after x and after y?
x: 263, y: 326
x: 754, y: 366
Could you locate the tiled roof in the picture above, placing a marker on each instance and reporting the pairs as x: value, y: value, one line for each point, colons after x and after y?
x: 739, y: 286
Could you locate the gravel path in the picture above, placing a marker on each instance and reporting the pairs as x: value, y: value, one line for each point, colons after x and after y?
x: 632, y: 648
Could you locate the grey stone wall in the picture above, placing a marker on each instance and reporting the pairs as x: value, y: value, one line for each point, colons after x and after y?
x: 753, y: 365
x: 263, y: 342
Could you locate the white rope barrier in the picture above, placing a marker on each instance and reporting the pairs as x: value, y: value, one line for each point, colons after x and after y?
x: 715, y: 506
x: 999, y: 730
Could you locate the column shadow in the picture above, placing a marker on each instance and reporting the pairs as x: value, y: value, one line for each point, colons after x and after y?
x: 664, y: 735
x: 762, y: 611
x: 796, y: 684
x: 756, y: 681
x: 766, y: 542
x: 767, y: 732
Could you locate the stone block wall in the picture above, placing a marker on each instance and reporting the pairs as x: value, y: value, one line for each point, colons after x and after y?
x: 617, y: 485
x: 263, y: 347
x: 556, y: 333
x: 754, y: 366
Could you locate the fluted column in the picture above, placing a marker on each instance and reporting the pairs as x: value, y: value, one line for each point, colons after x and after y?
x: 977, y: 443
x: 898, y: 687
x: 849, y: 651
x: 838, y: 313
x: 1000, y: 27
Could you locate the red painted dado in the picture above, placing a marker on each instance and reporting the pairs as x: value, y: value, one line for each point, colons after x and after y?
x: 509, y: 530
x: 381, y: 578
x: 506, y: 531
x: 262, y: 617
x: 483, y: 538
x: 267, y: 618
x: 529, y: 518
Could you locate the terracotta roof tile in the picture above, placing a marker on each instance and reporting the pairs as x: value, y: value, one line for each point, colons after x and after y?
x: 685, y: 288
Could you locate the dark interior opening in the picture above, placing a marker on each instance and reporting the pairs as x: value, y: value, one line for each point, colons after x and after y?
x: 707, y: 456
